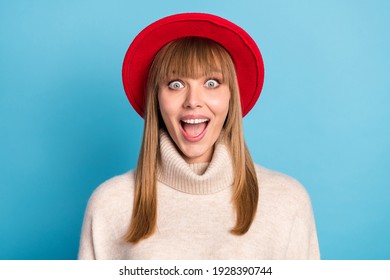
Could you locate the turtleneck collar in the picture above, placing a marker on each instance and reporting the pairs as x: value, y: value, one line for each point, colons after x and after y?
x: 198, y: 178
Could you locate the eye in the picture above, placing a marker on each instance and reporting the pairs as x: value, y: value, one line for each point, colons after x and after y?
x: 212, y: 83
x: 175, y: 85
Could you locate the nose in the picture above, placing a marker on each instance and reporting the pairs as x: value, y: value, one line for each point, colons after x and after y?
x: 194, y: 97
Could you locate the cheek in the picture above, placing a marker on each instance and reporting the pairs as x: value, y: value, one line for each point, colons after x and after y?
x: 168, y: 106
x: 220, y: 105
x: 163, y: 104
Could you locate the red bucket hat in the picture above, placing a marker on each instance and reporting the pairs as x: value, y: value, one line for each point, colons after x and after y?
x: 241, y: 47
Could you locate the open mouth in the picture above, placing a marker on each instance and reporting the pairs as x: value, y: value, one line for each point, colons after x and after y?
x: 194, y: 128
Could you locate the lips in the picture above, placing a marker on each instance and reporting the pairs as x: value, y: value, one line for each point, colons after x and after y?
x: 194, y: 128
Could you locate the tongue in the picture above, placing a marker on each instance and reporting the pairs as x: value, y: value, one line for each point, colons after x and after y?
x: 194, y: 129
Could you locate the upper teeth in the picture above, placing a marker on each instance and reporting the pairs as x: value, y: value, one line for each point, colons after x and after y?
x: 193, y: 121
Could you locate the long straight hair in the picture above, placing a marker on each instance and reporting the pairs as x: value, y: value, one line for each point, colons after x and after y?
x: 191, y: 57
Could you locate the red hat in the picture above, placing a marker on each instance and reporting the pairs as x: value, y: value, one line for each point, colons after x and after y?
x: 241, y: 47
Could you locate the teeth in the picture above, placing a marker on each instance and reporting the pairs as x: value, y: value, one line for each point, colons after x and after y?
x: 195, y: 121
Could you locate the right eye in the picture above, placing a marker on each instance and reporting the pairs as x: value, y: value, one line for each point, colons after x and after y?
x: 175, y: 85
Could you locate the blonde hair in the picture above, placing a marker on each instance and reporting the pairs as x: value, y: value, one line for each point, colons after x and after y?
x: 191, y: 57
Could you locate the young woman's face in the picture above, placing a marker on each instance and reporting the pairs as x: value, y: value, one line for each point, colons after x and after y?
x: 194, y: 111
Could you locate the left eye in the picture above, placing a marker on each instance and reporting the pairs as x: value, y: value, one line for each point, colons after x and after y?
x: 212, y: 83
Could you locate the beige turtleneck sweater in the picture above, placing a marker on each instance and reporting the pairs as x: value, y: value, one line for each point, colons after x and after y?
x: 195, y: 215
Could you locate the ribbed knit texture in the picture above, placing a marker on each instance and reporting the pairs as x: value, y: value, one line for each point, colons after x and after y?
x: 189, y: 178
x: 195, y: 215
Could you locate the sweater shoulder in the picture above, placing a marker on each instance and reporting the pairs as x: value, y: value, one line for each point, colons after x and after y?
x: 281, y: 187
x: 113, y: 194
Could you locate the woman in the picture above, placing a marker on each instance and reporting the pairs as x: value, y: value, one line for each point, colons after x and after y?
x: 196, y: 193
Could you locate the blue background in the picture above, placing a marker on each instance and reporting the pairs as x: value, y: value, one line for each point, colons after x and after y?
x: 66, y: 125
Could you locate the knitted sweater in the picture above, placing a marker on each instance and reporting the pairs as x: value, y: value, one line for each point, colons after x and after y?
x: 195, y: 215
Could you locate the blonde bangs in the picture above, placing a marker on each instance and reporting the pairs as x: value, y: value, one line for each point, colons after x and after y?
x: 192, y: 57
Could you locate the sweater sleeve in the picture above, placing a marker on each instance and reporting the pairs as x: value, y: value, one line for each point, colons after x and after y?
x: 107, y: 219
x: 303, y: 242
x: 86, y: 249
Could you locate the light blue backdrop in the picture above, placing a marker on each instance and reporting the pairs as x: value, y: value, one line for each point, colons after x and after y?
x: 66, y: 125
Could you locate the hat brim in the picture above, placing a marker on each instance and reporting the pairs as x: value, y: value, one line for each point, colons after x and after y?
x: 241, y: 47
